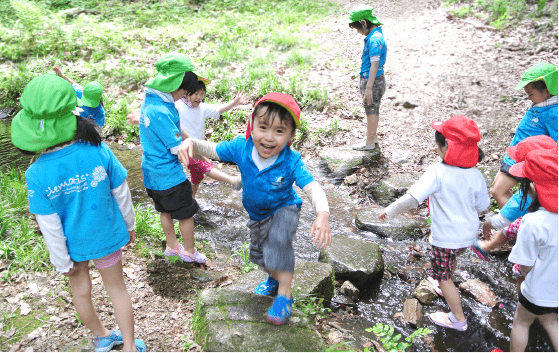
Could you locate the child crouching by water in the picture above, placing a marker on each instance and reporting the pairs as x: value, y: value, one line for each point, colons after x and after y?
x: 457, y: 195
x: 78, y: 192
x: 269, y: 167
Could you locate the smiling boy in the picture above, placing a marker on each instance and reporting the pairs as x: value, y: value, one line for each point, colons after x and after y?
x: 269, y: 167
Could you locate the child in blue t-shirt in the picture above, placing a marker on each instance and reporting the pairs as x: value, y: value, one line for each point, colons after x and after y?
x: 78, y: 192
x: 540, y: 84
x: 160, y: 135
x: 89, y: 99
x: 269, y: 167
x: 372, y: 82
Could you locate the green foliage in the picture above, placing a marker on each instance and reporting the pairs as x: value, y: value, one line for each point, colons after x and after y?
x: 311, y: 305
x: 21, y: 247
x: 392, y: 342
x: 148, y: 224
x: 244, y: 255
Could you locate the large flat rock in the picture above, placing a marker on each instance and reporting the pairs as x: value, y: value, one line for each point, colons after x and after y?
x: 309, y: 278
x: 339, y: 162
x: 235, y: 321
x: 356, y: 260
x: 398, y: 227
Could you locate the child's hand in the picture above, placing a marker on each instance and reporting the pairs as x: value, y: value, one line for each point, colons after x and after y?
x: 382, y: 216
x: 185, y: 151
x: 240, y: 98
x: 321, y: 230
x: 73, y: 271
x: 133, y: 118
x: 368, y: 95
x: 487, y: 229
x: 132, y: 237
x: 57, y: 70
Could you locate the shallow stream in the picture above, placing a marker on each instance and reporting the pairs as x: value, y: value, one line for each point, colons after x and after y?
x: 222, y: 223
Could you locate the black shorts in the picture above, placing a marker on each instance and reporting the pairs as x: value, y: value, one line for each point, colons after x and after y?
x: 505, y: 169
x: 535, y: 309
x: 177, y: 201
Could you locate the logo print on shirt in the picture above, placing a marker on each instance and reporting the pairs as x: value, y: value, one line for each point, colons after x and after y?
x: 278, y: 183
x: 146, y: 121
x: 30, y: 193
x: 534, y: 122
x: 43, y: 125
x: 99, y: 174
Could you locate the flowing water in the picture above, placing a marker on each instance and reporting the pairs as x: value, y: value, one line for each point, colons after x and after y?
x: 222, y: 222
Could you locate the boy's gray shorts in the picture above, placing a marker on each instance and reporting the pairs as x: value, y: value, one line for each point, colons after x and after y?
x: 271, y: 240
x: 379, y: 87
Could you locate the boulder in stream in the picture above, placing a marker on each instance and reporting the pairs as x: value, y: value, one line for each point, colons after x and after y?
x: 479, y: 291
x: 398, y: 227
x: 425, y: 292
x: 309, y: 278
x: 235, y: 321
x: 390, y: 188
x: 413, y: 312
x: 340, y: 162
x: 356, y: 260
x: 350, y: 290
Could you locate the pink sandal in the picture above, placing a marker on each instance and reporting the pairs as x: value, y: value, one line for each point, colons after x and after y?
x: 196, y: 257
x: 438, y: 318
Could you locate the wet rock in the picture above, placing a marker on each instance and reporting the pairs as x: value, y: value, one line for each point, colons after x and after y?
x: 400, y: 157
x: 350, y: 290
x: 413, y: 312
x: 390, y: 188
x: 309, y: 278
x: 409, y: 105
x: 413, y: 274
x: 4, y: 112
x: 204, y: 276
x: 235, y: 321
x: 425, y: 292
x: 351, y: 179
x: 339, y: 162
x: 398, y: 227
x: 479, y: 291
x: 355, y: 260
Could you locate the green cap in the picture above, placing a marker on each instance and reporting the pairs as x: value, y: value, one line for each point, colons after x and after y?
x: 91, y: 96
x: 170, y: 72
x: 542, y: 71
x: 46, y: 118
x: 363, y: 12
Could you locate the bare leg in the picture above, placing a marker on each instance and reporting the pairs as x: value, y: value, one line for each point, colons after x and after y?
x: 169, y: 229
x: 496, y: 240
x: 195, y: 189
x: 372, y: 126
x: 501, y: 191
x: 520, y: 328
x: 81, y: 296
x: 549, y: 323
x: 452, y: 297
x: 122, y: 305
x: 285, y: 279
x: 186, y: 227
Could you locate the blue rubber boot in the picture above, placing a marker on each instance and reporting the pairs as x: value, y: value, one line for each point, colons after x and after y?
x: 268, y: 287
x: 279, y: 312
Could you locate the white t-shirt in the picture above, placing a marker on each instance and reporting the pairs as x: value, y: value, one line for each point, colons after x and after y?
x: 193, y: 120
x: 536, y: 246
x: 456, y: 197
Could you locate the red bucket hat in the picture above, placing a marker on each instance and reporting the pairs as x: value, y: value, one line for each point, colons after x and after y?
x: 540, y: 166
x: 462, y: 136
x: 285, y: 100
x: 540, y: 142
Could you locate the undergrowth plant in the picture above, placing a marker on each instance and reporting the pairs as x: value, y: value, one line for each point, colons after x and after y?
x: 244, y: 255
x: 393, y: 342
x: 310, y: 305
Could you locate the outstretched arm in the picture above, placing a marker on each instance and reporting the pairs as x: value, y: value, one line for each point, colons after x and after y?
x: 403, y: 204
x: 239, y: 98
x: 57, y: 70
x: 321, y: 225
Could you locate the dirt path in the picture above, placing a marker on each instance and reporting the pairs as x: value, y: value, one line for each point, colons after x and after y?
x: 444, y: 66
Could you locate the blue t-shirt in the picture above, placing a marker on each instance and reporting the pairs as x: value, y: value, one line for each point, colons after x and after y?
x: 374, y: 45
x: 75, y: 183
x: 536, y: 121
x: 159, y: 132
x: 268, y: 190
x: 95, y: 114
x: 511, y: 210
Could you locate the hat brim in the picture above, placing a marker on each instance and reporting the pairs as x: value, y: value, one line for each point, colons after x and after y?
x: 293, y: 115
x: 522, y: 84
x: 517, y: 170
x: 511, y: 151
x: 166, y: 83
x: 437, y: 125
x: 30, y: 133
x: 88, y: 102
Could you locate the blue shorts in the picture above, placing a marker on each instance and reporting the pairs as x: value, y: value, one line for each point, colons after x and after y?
x: 271, y: 240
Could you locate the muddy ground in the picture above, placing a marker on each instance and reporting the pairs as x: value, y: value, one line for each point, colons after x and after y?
x: 437, y: 64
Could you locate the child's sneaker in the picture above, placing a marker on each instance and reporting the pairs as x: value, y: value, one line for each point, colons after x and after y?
x: 268, y: 287
x: 140, y: 345
x: 279, y: 312
x: 105, y: 344
x: 196, y: 257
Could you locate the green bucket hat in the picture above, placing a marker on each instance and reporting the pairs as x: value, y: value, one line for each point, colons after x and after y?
x: 46, y: 118
x: 363, y: 12
x: 542, y: 71
x: 170, y: 72
x: 91, y: 96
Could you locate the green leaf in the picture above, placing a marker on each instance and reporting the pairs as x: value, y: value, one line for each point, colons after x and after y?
x: 16, y: 185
